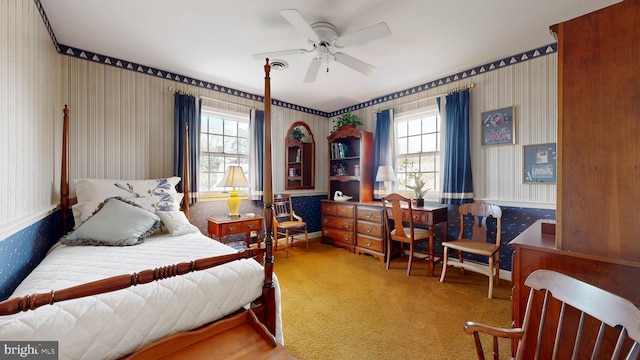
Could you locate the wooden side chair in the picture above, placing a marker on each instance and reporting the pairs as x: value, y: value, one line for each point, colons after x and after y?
x: 402, y: 231
x: 478, y: 244
x: 576, y: 320
x: 286, y: 223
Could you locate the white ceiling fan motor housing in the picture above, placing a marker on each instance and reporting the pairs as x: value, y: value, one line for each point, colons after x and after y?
x: 327, y: 34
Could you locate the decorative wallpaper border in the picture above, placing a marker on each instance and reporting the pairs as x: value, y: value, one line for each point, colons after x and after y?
x: 128, y: 65
x: 498, y: 64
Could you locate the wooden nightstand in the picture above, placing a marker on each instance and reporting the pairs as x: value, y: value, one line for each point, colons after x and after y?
x: 221, y: 226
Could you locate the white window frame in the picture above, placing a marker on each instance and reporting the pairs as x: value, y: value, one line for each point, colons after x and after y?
x: 219, y: 194
x: 433, y: 171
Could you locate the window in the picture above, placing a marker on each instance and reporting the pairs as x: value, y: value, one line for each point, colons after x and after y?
x: 418, y: 145
x: 224, y: 141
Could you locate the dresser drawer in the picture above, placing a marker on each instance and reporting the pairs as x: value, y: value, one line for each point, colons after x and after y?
x: 252, y: 225
x: 232, y: 228
x: 337, y: 223
x: 344, y: 210
x: 370, y: 229
x: 420, y: 217
x: 370, y: 243
x: 370, y: 214
x: 336, y: 209
x: 328, y: 209
x: 338, y: 235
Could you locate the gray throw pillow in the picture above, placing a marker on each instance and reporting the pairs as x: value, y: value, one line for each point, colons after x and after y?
x: 117, y: 222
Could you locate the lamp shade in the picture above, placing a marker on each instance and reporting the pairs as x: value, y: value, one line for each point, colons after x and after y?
x: 234, y: 177
x: 385, y: 173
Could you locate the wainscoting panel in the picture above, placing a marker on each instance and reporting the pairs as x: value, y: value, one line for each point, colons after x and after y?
x: 23, y: 251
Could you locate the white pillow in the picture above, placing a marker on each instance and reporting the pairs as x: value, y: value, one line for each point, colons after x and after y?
x: 100, y: 189
x: 166, y: 202
x: 82, y: 211
x: 116, y: 223
x: 177, y: 223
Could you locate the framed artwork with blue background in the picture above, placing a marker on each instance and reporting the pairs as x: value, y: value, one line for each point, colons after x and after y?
x: 540, y: 163
x: 498, y: 127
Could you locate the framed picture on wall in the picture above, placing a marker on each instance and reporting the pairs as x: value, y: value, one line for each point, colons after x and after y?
x: 540, y: 163
x: 498, y: 127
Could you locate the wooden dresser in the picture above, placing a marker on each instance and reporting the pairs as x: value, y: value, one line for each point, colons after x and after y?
x: 359, y: 226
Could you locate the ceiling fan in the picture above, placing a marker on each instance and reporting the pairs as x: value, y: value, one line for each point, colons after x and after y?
x: 324, y: 38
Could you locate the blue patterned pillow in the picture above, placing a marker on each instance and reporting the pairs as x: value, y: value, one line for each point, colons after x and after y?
x: 117, y: 222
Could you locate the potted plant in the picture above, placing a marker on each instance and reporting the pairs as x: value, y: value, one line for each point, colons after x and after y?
x: 347, y: 118
x: 414, y: 182
x: 297, y: 133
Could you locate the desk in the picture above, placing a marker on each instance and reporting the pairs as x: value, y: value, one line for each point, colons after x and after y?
x: 222, y: 226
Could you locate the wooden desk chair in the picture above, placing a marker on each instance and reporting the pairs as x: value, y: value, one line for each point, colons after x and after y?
x: 286, y: 223
x: 598, y: 318
x: 402, y: 231
x: 479, y: 243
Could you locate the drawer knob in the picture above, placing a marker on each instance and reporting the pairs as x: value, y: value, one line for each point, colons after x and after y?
x: 325, y: 220
x: 233, y: 228
x: 325, y: 232
x: 368, y: 229
x: 347, y: 225
x: 252, y: 226
x: 343, y: 211
x: 369, y: 216
x: 347, y: 237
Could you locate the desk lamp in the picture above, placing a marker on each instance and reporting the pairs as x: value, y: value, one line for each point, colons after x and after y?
x: 385, y: 174
x: 234, y: 177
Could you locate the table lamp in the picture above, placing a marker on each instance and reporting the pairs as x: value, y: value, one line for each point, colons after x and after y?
x: 385, y: 174
x: 234, y: 177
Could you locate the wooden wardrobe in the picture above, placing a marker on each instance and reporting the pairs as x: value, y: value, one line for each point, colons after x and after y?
x: 597, y: 235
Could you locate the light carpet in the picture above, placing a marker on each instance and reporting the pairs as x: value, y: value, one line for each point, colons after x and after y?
x: 339, y: 305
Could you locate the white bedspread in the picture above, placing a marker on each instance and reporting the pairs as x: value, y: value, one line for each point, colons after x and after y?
x: 116, y: 324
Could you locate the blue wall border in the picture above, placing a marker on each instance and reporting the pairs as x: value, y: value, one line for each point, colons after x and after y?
x: 21, y: 252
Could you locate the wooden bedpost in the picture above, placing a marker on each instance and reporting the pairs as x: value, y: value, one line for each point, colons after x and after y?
x: 64, y: 175
x: 268, y: 290
x: 185, y: 172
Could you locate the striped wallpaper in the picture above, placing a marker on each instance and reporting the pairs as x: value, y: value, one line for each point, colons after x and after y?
x: 30, y: 117
x: 121, y: 121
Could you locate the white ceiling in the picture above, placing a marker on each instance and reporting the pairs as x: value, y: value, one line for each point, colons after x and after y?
x: 213, y: 40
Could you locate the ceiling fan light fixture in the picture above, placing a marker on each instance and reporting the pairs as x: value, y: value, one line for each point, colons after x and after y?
x: 323, y: 37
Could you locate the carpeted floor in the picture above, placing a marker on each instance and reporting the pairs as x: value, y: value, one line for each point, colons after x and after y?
x: 339, y: 305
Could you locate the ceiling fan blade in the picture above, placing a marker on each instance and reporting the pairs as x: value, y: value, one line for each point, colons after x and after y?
x: 313, y: 69
x: 364, y: 35
x: 298, y: 22
x: 280, y: 53
x: 357, y: 65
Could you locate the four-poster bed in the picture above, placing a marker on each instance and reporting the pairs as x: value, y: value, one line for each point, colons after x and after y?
x: 181, y: 293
